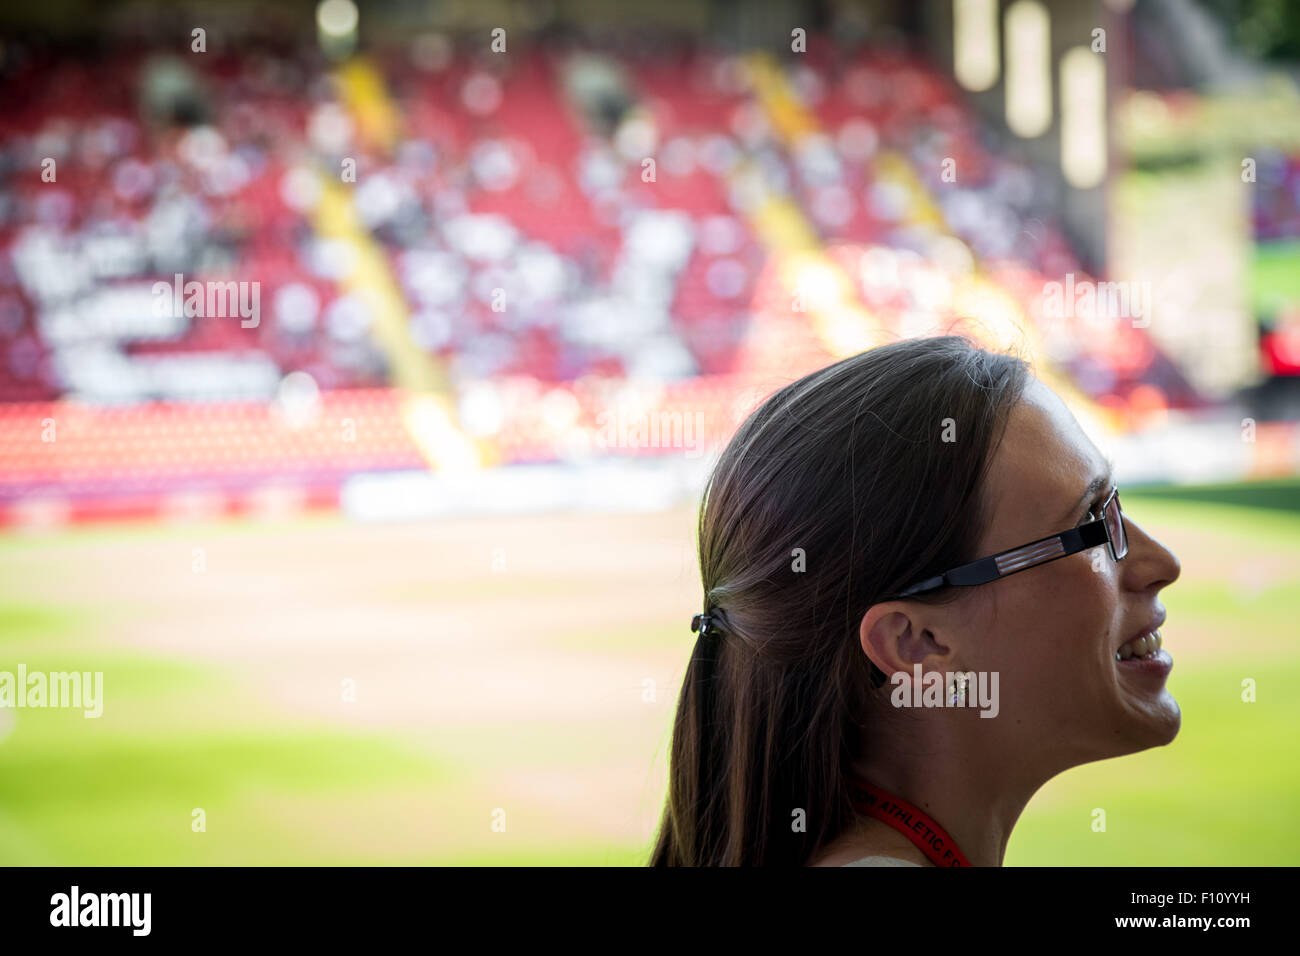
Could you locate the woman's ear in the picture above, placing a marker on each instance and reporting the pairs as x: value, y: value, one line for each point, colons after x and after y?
x: 895, y: 635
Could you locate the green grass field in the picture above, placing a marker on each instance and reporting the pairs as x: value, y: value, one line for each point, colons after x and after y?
x: 500, y: 678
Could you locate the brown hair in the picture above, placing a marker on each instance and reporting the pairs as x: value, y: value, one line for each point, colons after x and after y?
x: 839, y: 490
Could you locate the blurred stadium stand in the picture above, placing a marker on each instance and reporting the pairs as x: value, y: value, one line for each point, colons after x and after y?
x: 531, y: 238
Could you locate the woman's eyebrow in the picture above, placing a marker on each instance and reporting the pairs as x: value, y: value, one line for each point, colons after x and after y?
x: 1094, y: 486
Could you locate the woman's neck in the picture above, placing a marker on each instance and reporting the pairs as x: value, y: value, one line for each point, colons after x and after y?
x: 976, y: 802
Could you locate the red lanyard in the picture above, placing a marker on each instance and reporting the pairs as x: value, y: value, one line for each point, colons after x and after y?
x: 930, y: 838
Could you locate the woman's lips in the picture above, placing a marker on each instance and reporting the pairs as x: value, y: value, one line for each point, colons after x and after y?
x: 1145, y: 655
x: 1156, y: 665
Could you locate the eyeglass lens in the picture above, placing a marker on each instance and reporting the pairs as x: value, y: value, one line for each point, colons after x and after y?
x: 1115, y: 526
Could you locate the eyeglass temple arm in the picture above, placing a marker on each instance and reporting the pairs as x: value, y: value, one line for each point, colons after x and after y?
x: 977, y: 572
x: 986, y: 569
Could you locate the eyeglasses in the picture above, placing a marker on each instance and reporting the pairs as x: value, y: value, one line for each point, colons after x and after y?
x: 1107, y: 529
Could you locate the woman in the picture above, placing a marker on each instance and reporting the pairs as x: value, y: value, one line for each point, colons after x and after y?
x: 826, y: 718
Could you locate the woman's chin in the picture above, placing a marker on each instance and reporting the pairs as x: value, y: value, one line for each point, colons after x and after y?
x: 1154, y: 725
x: 1173, y: 722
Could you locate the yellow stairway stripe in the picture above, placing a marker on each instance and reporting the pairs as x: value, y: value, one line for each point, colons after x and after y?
x: 827, y: 293
x: 998, y: 320
x: 428, y: 408
x: 366, y: 99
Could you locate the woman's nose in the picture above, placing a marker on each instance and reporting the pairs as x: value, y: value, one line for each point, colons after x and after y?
x: 1150, y: 563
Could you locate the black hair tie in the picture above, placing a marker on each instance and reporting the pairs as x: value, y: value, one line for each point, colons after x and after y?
x: 706, y: 624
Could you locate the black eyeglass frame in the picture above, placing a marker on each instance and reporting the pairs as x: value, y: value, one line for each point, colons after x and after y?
x: 1031, y: 555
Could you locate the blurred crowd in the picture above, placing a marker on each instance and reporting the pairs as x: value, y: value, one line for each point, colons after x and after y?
x: 550, y: 216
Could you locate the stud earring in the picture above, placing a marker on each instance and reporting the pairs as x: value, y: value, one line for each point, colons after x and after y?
x: 957, y: 690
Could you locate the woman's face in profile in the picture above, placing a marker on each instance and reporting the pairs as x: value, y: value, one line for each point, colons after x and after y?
x: 1052, y: 631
